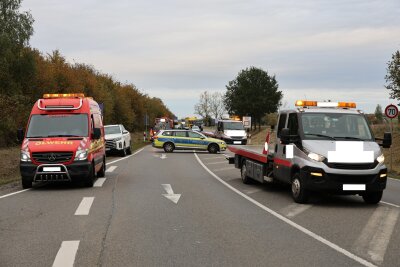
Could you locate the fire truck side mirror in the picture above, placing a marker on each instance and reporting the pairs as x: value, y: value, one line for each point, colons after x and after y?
x: 387, y: 140
x: 96, y: 133
x: 20, y: 135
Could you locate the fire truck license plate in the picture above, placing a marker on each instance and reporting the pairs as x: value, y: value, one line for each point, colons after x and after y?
x: 51, y: 169
x: 352, y: 187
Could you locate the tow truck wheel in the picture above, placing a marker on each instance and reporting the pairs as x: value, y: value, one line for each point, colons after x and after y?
x: 26, y: 183
x: 102, y: 171
x: 372, y: 197
x: 299, y: 193
x: 243, y: 172
x: 169, y: 147
x: 213, y: 148
x: 90, y: 178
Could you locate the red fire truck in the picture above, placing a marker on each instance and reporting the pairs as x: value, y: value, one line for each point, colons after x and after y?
x: 64, y: 141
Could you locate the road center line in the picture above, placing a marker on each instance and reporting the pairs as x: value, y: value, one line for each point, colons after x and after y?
x: 84, y: 207
x: 99, y: 182
x: 295, y: 209
x: 288, y: 221
x: 127, y: 157
x: 111, y: 168
x: 66, y: 254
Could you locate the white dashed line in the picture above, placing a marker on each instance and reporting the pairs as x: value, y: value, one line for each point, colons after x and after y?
x: 99, y: 182
x: 375, y: 236
x: 252, y: 191
x: 84, y: 207
x: 111, y: 168
x: 218, y: 162
x: 295, y: 209
x: 224, y: 169
x: 288, y: 221
x: 66, y: 254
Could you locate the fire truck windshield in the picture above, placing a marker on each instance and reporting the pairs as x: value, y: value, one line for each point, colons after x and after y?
x: 58, y: 125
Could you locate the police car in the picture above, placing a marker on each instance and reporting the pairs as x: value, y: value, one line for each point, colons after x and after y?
x: 170, y: 140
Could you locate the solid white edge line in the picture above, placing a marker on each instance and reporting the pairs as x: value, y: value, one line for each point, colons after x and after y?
x: 390, y: 204
x: 84, y: 206
x: 66, y: 254
x: 127, y: 157
x: 14, y: 193
x: 397, y: 180
x: 291, y: 223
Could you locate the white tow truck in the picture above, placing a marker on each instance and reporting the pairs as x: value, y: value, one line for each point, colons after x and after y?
x: 118, y: 139
x: 320, y: 146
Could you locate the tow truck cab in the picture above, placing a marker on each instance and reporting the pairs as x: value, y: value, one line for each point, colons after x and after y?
x: 64, y: 141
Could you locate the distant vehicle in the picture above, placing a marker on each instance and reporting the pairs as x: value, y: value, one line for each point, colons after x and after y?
x: 196, y: 128
x: 320, y: 146
x: 170, y: 140
x: 231, y: 131
x: 117, y: 139
x: 64, y: 141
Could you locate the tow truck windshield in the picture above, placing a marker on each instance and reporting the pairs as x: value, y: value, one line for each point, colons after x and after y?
x: 335, y: 126
x: 112, y: 130
x: 69, y: 125
x: 233, y: 126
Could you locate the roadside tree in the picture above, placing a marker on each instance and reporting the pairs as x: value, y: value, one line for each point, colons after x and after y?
x: 378, y: 113
x: 254, y: 93
x: 393, y: 76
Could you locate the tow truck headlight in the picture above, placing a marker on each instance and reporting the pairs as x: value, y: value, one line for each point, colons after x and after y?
x: 81, y: 155
x: 117, y: 139
x: 381, y: 158
x: 315, y: 156
x: 25, y: 156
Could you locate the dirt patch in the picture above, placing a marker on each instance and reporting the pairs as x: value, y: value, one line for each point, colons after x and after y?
x: 9, y: 165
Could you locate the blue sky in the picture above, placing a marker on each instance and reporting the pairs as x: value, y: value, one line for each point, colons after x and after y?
x: 176, y: 49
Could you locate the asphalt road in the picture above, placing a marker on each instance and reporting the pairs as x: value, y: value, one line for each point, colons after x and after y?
x: 131, y: 219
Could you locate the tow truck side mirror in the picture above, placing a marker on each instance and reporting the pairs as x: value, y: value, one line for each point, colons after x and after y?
x: 285, y: 137
x: 387, y: 140
x: 96, y: 133
x: 20, y: 135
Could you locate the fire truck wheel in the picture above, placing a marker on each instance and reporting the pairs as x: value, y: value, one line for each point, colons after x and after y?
x: 213, y: 148
x: 26, y: 183
x: 90, y: 178
x: 243, y: 172
x: 102, y: 171
x: 169, y: 147
x: 123, y: 151
x: 372, y: 197
x: 299, y: 193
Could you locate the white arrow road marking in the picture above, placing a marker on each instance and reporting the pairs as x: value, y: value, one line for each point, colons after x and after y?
x: 163, y: 156
x: 66, y: 254
x: 375, y: 236
x: 84, y: 207
x: 170, y: 193
x: 99, y: 182
x: 111, y: 168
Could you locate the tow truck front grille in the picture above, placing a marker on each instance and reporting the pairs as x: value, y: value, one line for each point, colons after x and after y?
x: 111, y: 144
x: 52, y: 157
x: 351, y: 166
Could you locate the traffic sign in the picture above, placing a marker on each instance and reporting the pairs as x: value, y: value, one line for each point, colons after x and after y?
x: 391, y: 111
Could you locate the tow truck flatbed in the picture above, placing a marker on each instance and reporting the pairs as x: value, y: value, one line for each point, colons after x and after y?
x: 251, y: 152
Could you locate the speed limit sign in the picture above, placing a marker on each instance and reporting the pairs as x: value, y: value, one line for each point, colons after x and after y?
x: 391, y: 111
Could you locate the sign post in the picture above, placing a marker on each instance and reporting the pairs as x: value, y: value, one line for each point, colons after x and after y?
x: 391, y: 111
